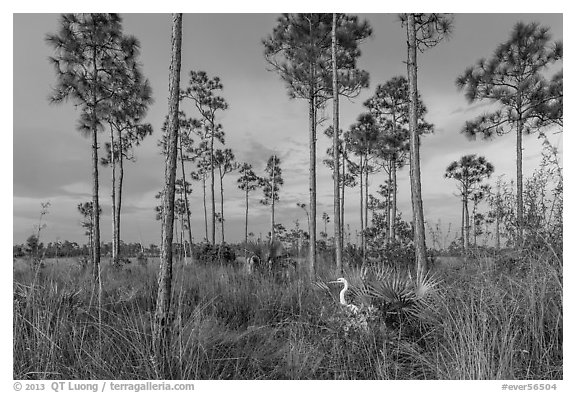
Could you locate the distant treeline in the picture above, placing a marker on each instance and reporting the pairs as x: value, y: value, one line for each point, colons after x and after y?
x: 70, y: 249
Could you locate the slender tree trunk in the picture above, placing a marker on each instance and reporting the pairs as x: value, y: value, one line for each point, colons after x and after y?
x: 186, y: 203
x: 177, y: 218
x: 161, y: 327
x: 221, y: 203
x: 519, y: 187
x: 120, y: 182
x: 308, y: 220
x: 387, y: 203
x: 467, y: 222
x: 361, y: 208
x: 312, y: 120
x: 182, y: 245
x: 394, y: 186
x: 273, y: 198
x: 95, y: 206
x: 474, y: 229
x: 246, y: 221
x: 365, y: 201
x: 272, y: 232
x: 463, y: 227
x: 312, y: 256
x: 114, y: 164
x: 394, y: 199
x: 342, y: 225
x: 415, y: 183
x: 213, y: 229
x: 95, y: 202
x: 205, y: 207
x: 96, y: 226
x: 335, y: 149
x: 91, y: 239
x: 498, y: 210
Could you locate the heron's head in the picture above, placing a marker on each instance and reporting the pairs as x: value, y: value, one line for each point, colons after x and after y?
x: 341, y: 280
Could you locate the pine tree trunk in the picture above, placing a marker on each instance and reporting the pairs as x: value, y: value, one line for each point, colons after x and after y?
x: 186, y: 202
x: 182, y: 245
x: 91, y: 240
x: 273, y: 198
x: 463, y: 227
x: 365, y: 202
x: 361, y: 209
x: 467, y: 224
x: 498, y: 210
x: 272, y: 232
x: 114, y: 164
x: 312, y: 214
x: 394, y: 186
x: 212, y: 194
x: 342, y: 225
x: 474, y: 229
x: 95, y: 202
x: 394, y: 197
x: 519, y: 185
x: 120, y: 182
x: 388, y: 203
x: 221, y: 204
x: 415, y: 183
x: 246, y: 221
x: 205, y: 207
x: 161, y: 326
x: 312, y: 136
x: 178, y: 219
x: 95, y: 207
x: 335, y: 149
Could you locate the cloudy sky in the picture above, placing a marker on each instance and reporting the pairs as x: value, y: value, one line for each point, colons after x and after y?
x: 51, y: 160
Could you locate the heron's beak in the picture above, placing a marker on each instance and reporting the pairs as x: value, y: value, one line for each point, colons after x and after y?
x: 332, y: 282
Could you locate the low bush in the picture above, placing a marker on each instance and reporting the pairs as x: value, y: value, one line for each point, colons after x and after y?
x: 208, y: 253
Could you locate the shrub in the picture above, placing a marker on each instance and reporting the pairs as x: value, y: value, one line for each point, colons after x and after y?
x: 208, y: 253
x: 398, y: 255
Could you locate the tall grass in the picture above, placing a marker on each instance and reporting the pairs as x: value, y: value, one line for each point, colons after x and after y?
x: 484, y: 323
x: 500, y: 325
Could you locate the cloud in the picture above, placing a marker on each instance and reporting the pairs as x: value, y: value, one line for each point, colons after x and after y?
x: 256, y: 154
x: 471, y: 108
x: 81, y: 189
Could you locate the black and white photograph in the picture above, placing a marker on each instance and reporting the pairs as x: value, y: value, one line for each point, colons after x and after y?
x: 287, y: 196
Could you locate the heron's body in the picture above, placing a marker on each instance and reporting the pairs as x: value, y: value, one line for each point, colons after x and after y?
x: 349, y: 306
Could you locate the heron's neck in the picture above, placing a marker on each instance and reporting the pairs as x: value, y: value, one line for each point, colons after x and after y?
x: 342, y: 292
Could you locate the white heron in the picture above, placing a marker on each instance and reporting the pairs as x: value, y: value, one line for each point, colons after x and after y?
x: 252, y: 262
x: 349, y: 306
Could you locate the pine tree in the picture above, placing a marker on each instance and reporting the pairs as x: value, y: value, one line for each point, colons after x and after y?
x: 224, y: 160
x: 202, y: 91
x: 93, y: 58
x: 270, y: 187
x: 423, y: 31
x: 469, y: 172
x: 126, y: 132
x: 363, y: 139
x: 390, y: 108
x: 161, y: 325
x: 514, y: 79
x: 247, y: 182
x: 299, y: 49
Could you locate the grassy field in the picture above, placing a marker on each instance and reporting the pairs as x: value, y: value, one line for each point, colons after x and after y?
x: 485, y: 322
